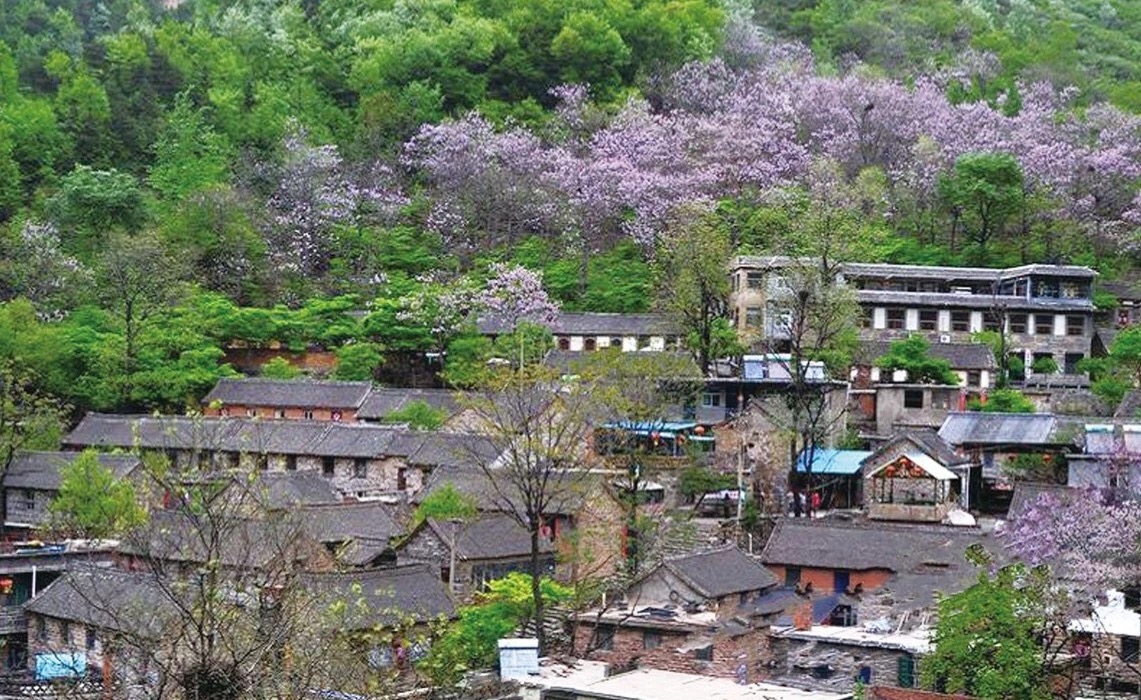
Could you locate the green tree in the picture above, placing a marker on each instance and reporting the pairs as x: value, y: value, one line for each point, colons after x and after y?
x: 279, y: 368
x: 983, y: 192
x: 591, y: 52
x: 1003, y: 401
x: 357, y: 362
x: 912, y: 356
x: 446, y: 503
x: 189, y: 155
x: 90, y: 203
x: 466, y: 360
x: 418, y: 415
x: 987, y: 639
x: 1126, y: 352
x: 691, y: 279
x: 471, y: 642
x: 92, y: 503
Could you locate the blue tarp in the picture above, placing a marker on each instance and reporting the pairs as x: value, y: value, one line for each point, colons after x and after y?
x: 55, y: 665
x: 651, y: 426
x: 836, y: 462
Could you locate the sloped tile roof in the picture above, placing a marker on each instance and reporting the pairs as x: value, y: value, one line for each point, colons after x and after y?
x: 962, y: 356
x: 721, y: 572
x: 349, y: 521
x: 489, y: 536
x: 41, y: 470
x: 382, y: 597
x: 109, y: 599
x: 976, y: 428
x: 382, y: 402
x: 589, y: 323
x: 288, y: 393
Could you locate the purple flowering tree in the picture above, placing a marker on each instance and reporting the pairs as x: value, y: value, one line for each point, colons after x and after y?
x: 514, y: 295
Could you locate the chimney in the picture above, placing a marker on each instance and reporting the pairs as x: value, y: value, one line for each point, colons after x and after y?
x: 802, y: 617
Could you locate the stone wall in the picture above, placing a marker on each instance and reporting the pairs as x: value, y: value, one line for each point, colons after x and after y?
x: 18, y: 512
x: 835, y: 667
x: 744, y: 655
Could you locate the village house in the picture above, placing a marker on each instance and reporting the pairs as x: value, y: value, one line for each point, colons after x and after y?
x: 835, y: 658
x: 483, y: 549
x: 973, y: 363
x: 1046, y: 311
x: 587, y: 331
x: 694, y: 614
x: 360, y: 460
x: 890, y: 569
x: 77, y: 625
x: 357, y: 534
x: 286, y: 399
x: 383, y: 403
x: 1106, y: 645
x: 1110, y: 458
x: 32, y: 482
x: 834, y: 474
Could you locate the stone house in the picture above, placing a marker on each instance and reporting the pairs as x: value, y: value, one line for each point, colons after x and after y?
x: 974, y: 364
x: 891, y: 569
x: 484, y: 549
x: 1106, y: 646
x: 286, y: 399
x: 32, y: 482
x: 693, y: 614
x: 383, y: 402
x: 837, y: 658
x: 356, y: 534
x: 78, y: 624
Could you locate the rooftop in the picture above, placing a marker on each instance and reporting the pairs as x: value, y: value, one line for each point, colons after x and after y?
x: 490, y: 536
x: 963, y: 356
x: 380, y: 403
x: 830, y: 461
x: 42, y: 470
x: 652, y: 684
x: 109, y: 599
x: 917, y: 641
x: 411, y: 593
x: 588, y: 323
x: 721, y: 572
x: 996, y: 429
x: 288, y: 393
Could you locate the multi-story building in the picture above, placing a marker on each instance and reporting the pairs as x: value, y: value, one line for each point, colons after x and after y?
x: 1045, y: 311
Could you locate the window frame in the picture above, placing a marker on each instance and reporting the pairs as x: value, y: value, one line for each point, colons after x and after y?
x: 909, y: 399
x: 1040, y: 323
x: 895, y: 319
x: 960, y: 321
x: 928, y: 319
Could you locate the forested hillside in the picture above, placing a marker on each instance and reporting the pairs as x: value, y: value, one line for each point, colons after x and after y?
x: 180, y: 177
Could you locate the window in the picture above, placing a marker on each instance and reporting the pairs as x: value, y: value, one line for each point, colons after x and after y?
x: 564, y: 343
x: 743, y: 598
x: 840, y: 580
x: 755, y: 280
x: 753, y: 317
x: 261, y: 461
x: 704, y: 653
x: 913, y: 398
x: 65, y: 632
x: 1075, y: 325
x: 1132, y: 598
x: 590, y: 344
x: 308, y: 415
x: 1043, y: 324
x: 974, y: 378
x: 402, y: 479
x: 906, y: 675
x: 992, y: 322
x: 928, y: 320
x: 604, y: 638
x: 328, y: 466
x: 28, y: 499
x: 651, y: 639
x: 360, y: 468
x: 90, y: 641
x: 250, y: 413
x: 1047, y: 289
x: 792, y: 576
x: 279, y: 414
x: 1130, y: 646
x: 41, y: 629
x: 616, y: 343
x: 865, y: 675
x: 866, y: 320
x: 961, y: 321
x: 290, y: 463
x: 896, y: 318
x: 1018, y: 323
x: 1071, y: 361
x: 710, y: 399
x: 842, y: 616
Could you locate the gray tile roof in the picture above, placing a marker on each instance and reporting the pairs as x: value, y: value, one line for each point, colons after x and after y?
x: 1027, y: 492
x: 349, y: 521
x: 41, y: 470
x: 182, y: 537
x: 245, y: 435
x: 381, y: 597
x: 981, y: 274
x: 288, y: 393
x: 864, y: 545
x: 721, y: 572
x: 926, y: 440
x: 381, y: 402
x: 109, y: 599
x: 996, y: 429
x: 587, y: 324
x: 962, y: 356
x: 489, y: 536
x: 280, y: 490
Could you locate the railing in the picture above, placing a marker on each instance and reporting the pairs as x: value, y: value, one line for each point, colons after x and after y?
x: 24, y: 687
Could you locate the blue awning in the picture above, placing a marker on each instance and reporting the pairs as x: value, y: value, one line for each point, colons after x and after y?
x: 835, y: 462
x: 647, y: 427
